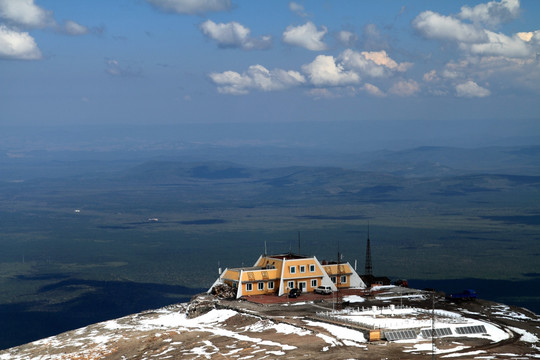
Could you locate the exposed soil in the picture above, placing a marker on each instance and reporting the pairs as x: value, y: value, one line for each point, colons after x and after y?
x: 251, y: 334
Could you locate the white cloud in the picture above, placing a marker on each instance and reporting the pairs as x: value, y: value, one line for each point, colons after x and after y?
x: 525, y: 36
x: 115, y: 69
x: 347, y: 38
x: 405, y: 88
x: 373, y: 90
x: 257, y: 77
x: 297, y: 9
x: 532, y: 37
x: 306, y: 36
x: 17, y: 45
x: 191, y: 7
x: 73, y: 28
x: 436, y: 26
x: 500, y: 44
x: 430, y: 76
x: 25, y: 13
x: 471, y: 38
x: 492, y: 13
x: 372, y: 63
x: 324, y: 71
x: 233, y: 35
x: 471, y: 89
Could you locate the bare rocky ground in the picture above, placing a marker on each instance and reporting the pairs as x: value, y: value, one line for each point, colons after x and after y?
x: 244, y: 330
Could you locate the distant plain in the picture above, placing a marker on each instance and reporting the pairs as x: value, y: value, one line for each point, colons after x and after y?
x: 88, y: 236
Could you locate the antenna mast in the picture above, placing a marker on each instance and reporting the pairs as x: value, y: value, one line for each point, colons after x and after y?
x: 339, y: 300
x: 369, y: 268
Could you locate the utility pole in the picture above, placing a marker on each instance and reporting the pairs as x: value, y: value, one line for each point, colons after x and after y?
x: 338, y: 280
x: 433, y: 325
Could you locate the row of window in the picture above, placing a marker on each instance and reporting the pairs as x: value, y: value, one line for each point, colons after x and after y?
x: 302, y: 268
x: 342, y: 280
x: 290, y: 285
x: 260, y: 286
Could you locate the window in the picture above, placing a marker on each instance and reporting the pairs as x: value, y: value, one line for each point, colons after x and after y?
x: 311, y: 268
x: 290, y: 284
x: 333, y: 278
x: 343, y: 279
x: 314, y: 283
x: 260, y: 286
x: 270, y: 285
x: 292, y: 269
x: 249, y: 287
x: 302, y: 268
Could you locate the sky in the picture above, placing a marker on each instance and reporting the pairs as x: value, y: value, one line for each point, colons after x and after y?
x: 156, y: 62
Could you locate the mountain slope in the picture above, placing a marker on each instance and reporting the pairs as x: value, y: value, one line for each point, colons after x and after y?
x: 208, y: 328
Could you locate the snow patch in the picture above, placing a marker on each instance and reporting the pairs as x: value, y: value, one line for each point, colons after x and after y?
x: 526, y: 336
x: 339, y: 332
x: 353, y: 299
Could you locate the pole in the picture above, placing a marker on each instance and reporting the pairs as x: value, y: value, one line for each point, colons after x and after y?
x: 433, y: 325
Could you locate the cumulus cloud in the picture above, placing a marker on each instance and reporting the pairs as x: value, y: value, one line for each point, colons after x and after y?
x: 531, y: 37
x: 191, y: 7
x: 17, y: 45
x: 347, y: 38
x: 472, y: 38
x: 25, y: 13
x: 306, y: 36
x: 372, y: 63
x: 257, y: 77
x: 471, y: 89
x: 73, y: 28
x: 233, y: 35
x: 324, y: 71
x: 492, y: 13
x: 436, y: 26
x: 298, y: 9
x: 337, y: 75
x: 500, y: 44
x: 373, y: 90
x: 430, y: 76
x: 405, y: 88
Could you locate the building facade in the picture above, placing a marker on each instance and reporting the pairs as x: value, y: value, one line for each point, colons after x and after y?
x: 278, y: 274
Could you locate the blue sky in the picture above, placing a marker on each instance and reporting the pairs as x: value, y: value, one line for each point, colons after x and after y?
x: 65, y: 62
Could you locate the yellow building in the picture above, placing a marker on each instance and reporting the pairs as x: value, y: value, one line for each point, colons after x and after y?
x: 343, y: 275
x: 278, y: 274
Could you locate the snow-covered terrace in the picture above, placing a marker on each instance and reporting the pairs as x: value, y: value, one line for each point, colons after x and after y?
x: 412, y: 318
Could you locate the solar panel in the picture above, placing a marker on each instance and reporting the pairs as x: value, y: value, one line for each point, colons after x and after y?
x: 426, y: 333
x: 477, y: 329
x: 400, y: 335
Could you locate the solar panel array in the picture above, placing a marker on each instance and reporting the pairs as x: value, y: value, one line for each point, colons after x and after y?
x: 471, y: 329
x: 400, y: 335
x: 438, y: 332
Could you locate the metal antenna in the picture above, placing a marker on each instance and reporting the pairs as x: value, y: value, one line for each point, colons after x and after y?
x: 290, y: 247
x: 369, y: 267
x: 299, y: 243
